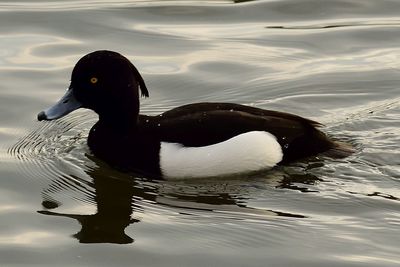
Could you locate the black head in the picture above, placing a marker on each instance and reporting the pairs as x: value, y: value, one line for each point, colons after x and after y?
x: 104, y: 78
x: 105, y: 82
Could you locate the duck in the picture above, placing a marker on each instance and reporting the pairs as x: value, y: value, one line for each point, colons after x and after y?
x: 197, y: 140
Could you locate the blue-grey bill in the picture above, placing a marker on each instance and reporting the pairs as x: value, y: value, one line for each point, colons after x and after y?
x: 65, y: 105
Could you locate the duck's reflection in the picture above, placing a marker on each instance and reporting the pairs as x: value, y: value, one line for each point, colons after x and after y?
x: 115, y: 200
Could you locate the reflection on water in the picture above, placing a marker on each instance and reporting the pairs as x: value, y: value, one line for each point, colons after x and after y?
x: 116, y: 199
x: 113, y: 200
x: 336, y: 62
x: 24, y: 51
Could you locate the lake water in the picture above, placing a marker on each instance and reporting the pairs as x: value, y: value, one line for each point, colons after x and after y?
x: 337, y: 62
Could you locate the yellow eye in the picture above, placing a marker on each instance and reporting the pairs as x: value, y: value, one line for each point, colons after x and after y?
x: 93, y: 80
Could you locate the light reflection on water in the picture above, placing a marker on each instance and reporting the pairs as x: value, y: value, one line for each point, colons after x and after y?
x: 21, y: 51
x: 335, y: 62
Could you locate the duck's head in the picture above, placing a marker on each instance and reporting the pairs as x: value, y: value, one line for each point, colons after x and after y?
x: 105, y: 82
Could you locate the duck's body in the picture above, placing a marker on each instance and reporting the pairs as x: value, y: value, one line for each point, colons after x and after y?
x: 195, y: 140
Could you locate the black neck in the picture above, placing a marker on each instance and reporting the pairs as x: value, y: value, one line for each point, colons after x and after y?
x: 119, y: 122
x: 121, y: 116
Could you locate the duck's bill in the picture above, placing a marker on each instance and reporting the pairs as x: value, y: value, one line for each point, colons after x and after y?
x: 65, y: 105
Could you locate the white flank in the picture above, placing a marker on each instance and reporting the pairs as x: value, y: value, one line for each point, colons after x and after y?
x: 247, y: 152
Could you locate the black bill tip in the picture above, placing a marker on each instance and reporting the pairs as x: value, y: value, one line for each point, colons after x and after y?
x: 41, y: 116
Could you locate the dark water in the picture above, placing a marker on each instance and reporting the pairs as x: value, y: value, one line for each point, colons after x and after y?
x: 333, y: 61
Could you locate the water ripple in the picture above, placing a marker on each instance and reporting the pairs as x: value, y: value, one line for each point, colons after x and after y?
x: 44, y: 154
x: 334, y: 61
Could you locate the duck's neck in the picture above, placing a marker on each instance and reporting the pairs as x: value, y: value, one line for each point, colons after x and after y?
x: 120, y: 112
x: 120, y: 119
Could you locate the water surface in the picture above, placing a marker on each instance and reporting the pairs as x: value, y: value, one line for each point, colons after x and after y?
x: 336, y: 62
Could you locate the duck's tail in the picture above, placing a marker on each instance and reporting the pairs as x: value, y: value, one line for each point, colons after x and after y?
x: 340, y: 150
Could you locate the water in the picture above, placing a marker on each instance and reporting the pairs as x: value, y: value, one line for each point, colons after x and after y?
x: 332, y: 61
